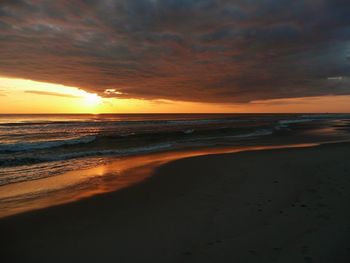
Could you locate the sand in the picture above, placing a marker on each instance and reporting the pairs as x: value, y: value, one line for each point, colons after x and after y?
x: 284, y: 205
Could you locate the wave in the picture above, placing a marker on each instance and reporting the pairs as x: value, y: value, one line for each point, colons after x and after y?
x: 254, y: 134
x: 115, y: 145
x: 257, y: 133
x: 127, y: 123
x: 22, y: 147
x: 285, y: 123
x: 119, y: 152
x: 93, y: 153
x: 326, y: 116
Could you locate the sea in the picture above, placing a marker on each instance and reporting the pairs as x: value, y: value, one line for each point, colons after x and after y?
x: 41, y: 146
x: 38, y: 146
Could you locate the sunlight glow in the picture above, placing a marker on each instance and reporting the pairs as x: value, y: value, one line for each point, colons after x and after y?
x: 92, y: 99
x: 27, y: 96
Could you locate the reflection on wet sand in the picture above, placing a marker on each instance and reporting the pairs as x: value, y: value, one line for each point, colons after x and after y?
x: 75, y: 185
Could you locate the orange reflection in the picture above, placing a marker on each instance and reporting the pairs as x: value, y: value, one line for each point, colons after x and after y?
x: 116, y: 175
x: 26, y: 96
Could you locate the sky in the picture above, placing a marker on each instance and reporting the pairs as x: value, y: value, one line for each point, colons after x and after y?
x: 174, y: 56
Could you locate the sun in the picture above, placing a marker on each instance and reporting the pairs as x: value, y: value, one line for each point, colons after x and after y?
x: 92, y: 99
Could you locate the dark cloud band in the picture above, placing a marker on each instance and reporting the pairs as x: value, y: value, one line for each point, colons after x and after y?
x: 47, y: 93
x: 208, y: 50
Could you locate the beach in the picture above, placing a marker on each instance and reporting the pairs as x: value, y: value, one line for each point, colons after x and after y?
x: 174, y: 131
x: 279, y: 205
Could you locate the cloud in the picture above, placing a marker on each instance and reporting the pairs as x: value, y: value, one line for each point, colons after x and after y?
x: 48, y: 93
x: 209, y: 50
x: 2, y: 93
x: 112, y: 92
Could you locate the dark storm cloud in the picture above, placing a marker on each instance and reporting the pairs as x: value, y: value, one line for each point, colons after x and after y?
x: 209, y: 50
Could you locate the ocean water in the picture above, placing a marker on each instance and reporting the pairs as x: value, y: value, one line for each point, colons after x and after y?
x: 39, y: 146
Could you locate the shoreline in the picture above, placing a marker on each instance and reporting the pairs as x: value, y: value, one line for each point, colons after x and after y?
x: 117, y: 174
x: 281, y: 205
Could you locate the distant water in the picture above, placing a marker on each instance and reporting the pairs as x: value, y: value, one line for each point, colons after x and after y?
x: 39, y: 146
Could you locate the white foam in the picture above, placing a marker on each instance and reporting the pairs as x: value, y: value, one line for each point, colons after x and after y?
x: 123, y: 152
x: 16, y: 147
x: 286, y: 122
x: 189, y: 131
x: 263, y: 132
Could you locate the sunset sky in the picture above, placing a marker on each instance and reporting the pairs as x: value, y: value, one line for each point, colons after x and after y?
x: 174, y: 56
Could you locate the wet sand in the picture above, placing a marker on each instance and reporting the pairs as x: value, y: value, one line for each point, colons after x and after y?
x: 282, y: 205
x: 116, y: 174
